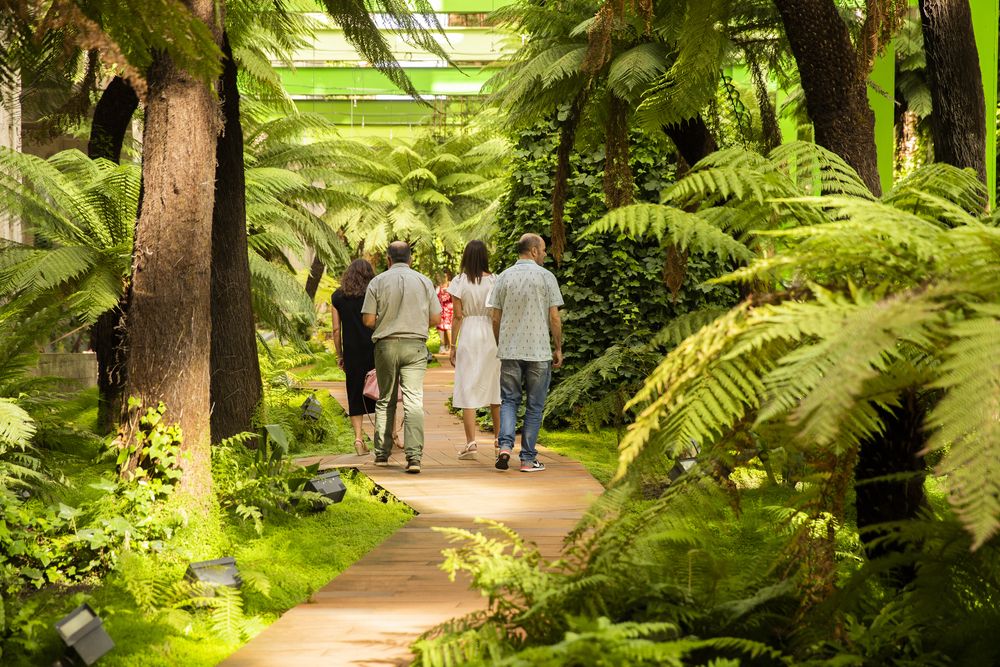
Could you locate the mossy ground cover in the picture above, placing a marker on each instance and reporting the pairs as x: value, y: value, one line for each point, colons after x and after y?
x: 294, y: 555
x: 597, y: 451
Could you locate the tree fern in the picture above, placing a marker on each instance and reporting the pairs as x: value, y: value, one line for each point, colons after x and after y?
x: 682, y: 91
x: 685, y: 230
x: 824, y: 361
x: 966, y: 419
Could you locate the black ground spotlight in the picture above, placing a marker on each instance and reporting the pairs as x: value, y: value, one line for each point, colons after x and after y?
x: 311, y: 408
x: 685, y: 463
x: 329, y: 485
x: 680, y: 467
x: 83, y: 633
x: 218, y: 572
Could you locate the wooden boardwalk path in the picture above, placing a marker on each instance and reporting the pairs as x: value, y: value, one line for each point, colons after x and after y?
x: 372, y: 611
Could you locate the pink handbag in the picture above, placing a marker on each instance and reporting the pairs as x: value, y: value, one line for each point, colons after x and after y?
x: 371, y: 387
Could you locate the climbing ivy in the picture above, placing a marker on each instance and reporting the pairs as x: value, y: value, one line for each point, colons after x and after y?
x: 613, y: 286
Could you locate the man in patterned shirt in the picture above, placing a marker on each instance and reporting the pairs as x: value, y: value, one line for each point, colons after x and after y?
x: 525, y: 303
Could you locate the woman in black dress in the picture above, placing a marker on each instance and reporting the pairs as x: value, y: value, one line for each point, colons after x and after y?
x: 353, y: 340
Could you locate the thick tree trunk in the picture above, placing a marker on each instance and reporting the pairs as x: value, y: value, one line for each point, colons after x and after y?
x: 315, y: 275
x: 236, y: 383
x: 692, y: 139
x: 170, y: 317
x: 112, y: 116
x: 958, y: 124
x: 834, y: 85
x: 895, y: 452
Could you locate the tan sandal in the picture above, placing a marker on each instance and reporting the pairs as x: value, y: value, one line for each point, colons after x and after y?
x: 360, y: 447
x: 397, y: 440
x: 470, y: 451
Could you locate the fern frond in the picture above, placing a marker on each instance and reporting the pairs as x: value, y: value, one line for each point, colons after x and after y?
x: 966, y: 421
x: 685, y: 230
x: 636, y: 69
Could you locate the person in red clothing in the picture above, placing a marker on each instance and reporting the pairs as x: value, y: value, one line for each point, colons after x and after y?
x: 447, y: 312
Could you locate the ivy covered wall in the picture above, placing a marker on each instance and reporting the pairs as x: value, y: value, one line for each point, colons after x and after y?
x: 613, y: 286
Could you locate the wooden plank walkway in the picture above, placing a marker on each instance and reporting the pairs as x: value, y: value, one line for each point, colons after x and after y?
x: 372, y: 612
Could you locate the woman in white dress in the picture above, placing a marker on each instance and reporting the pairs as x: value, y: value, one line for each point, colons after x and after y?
x: 474, y: 349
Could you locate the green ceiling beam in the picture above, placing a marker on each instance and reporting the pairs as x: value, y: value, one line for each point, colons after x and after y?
x: 461, y: 44
x: 468, y: 6
x: 324, y: 81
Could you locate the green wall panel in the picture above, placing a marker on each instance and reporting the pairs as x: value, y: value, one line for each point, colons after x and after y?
x: 880, y: 99
x: 462, y: 44
x: 984, y: 22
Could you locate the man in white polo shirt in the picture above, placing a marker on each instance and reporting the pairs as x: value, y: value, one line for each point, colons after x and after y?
x: 525, y: 303
x: 400, y: 305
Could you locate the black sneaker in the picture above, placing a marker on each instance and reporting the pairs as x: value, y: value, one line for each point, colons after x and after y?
x: 381, y: 460
x: 413, y: 466
x: 503, y: 460
x: 531, y: 466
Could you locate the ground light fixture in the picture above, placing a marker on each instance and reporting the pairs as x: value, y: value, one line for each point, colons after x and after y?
x: 685, y: 463
x: 329, y: 485
x: 680, y: 467
x: 218, y: 572
x: 84, y: 635
x: 312, y: 409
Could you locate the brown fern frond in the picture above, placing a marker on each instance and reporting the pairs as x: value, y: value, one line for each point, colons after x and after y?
x: 599, y: 36
x: 883, y: 18
x: 674, y: 270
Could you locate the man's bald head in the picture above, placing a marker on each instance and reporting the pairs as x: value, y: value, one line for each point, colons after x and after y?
x: 529, y: 242
x: 399, y: 252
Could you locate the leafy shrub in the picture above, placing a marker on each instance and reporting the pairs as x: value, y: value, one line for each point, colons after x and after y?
x: 254, y: 476
x: 284, y: 395
x: 854, y: 305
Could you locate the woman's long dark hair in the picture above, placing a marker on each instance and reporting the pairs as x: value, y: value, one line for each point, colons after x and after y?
x: 356, y: 278
x: 475, y: 260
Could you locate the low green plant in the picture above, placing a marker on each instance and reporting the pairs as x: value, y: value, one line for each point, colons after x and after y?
x: 153, y: 456
x: 254, y: 477
x: 868, y: 332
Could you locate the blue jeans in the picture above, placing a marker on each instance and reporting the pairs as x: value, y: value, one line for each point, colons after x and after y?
x: 531, y: 378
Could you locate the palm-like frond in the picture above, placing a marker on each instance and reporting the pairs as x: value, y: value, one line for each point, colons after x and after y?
x: 425, y: 192
x: 673, y: 225
x: 683, y: 90
x: 908, y: 300
x: 81, y: 215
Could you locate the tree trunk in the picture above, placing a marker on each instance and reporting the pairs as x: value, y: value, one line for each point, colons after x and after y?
x: 618, y: 178
x: 236, y: 385
x: 895, y: 452
x: 958, y: 124
x: 170, y: 318
x: 692, y: 139
x: 112, y: 115
x: 769, y: 127
x: 560, y: 189
x: 315, y: 275
x: 834, y: 85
